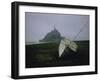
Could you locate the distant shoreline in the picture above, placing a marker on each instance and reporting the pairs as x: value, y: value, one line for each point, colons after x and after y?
x: 30, y: 43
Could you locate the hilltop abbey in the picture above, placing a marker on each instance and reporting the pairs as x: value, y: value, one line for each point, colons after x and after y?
x: 52, y: 36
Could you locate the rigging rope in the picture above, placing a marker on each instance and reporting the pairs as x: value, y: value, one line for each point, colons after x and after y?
x: 79, y: 31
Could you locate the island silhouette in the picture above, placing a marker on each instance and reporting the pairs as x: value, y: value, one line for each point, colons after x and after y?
x: 52, y: 36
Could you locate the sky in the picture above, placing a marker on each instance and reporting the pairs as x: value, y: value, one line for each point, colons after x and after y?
x: 37, y: 25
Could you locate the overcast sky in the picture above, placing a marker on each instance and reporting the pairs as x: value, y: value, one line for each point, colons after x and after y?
x: 37, y: 25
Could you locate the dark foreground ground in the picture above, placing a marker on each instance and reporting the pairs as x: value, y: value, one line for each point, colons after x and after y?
x: 46, y: 55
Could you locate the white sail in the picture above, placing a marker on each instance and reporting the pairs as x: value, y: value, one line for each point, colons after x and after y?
x: 61, y: 47
x: 67, y: 43
x: 73, y: 46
